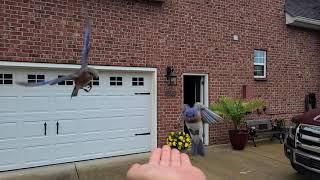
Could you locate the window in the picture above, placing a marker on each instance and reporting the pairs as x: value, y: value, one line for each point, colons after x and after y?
x: 260, y: 57
x: 115, y: 81
x: 67, y: 82
x: 32, y: 78
x: 95, y: 81
x: 137, y: 81
x: 6, y: 79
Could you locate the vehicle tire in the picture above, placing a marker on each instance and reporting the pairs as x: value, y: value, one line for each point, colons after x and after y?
x: 298, y: 168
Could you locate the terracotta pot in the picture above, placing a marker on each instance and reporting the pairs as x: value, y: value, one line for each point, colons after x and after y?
x: 238, y: 139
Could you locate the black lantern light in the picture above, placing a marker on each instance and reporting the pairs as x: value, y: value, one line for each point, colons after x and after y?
x: 171, y: 76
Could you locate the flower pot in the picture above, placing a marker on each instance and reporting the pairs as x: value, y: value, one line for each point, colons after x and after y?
x: 238, y: 139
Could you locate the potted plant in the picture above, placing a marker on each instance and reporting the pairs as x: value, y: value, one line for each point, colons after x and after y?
x: 236, y: 110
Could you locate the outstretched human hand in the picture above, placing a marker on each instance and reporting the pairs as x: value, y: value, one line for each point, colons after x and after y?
x: 166, y: 164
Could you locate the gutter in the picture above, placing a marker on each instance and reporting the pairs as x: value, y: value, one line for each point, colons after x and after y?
x: 302, y: 22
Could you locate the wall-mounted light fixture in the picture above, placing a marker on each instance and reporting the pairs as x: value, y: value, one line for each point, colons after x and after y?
x: 171, y: 76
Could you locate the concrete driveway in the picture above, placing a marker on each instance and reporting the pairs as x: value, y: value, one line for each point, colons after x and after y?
x: 265, y: 162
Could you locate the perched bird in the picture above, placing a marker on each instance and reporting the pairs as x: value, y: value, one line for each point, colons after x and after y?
x: 82, y: 77
x: 194, y: 114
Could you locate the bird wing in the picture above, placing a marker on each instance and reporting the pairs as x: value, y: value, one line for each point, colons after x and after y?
x: 207, y: 115
x: 62, y: 78
x: 86, y: 44
x: 51, y: 82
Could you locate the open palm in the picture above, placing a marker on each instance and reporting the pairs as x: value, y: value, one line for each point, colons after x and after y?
x: 166, y: 164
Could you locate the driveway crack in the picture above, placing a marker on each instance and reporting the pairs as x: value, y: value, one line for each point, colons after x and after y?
x: 75, y: 167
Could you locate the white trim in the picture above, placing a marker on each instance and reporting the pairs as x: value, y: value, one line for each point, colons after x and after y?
x: 206, y: 100
x: 261, y: 64
x: 105, y: 68
x: 72, y: 66
x: 302, y: 22
x: 154, y: 125
x: 206, y: 103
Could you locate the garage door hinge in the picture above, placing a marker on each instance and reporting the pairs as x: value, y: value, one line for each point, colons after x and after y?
x: 142, y: 134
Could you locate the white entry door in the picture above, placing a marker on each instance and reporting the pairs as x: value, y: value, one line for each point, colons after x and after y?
x: 43, y: 125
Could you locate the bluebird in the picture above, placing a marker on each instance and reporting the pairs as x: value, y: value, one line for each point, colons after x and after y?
x: 194, y: 115
x: 82, y: 77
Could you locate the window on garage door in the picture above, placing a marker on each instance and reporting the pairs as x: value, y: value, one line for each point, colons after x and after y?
x: 67, y: 82
x: 137, y: 81
x: 95, y: 81
x: 35, y: 78
x: 6, y: 78
x: 115, y: 81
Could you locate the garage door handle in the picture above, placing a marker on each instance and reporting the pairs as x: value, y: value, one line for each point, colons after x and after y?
x: 57, y: 127
x: 142, y: 134
x: 141, y: 93
x: 45, y: 128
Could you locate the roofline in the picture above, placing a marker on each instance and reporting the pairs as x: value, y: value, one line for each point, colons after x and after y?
x: 302, y: 22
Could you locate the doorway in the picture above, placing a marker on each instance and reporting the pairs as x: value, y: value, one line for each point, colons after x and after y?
x: 195, y: 89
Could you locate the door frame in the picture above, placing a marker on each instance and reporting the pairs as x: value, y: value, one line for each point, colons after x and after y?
x: 206, y: 98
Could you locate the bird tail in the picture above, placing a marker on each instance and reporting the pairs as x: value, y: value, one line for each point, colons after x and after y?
x: 74, y: 92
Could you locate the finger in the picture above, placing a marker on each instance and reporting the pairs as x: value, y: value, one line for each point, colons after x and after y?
x: 185, y: 160
x: 131, y: 174
x: 165, y: 156
x: 175, y: 158
x: 155, y: 157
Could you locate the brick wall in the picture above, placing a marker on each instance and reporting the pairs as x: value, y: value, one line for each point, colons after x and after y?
x: 193, y: 36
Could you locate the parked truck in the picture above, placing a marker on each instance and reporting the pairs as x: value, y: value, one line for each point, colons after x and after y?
x: 302, y: 145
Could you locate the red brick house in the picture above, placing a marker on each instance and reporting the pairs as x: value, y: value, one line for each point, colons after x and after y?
x: 215, y: 48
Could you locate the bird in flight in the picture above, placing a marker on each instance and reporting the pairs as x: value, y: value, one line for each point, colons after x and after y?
x: 82, y: 77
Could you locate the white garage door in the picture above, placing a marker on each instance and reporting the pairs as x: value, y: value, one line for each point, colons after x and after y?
x: 43, y: 125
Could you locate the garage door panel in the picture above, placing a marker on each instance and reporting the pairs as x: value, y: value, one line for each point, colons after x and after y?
x: 93, y: 125
x: 67, y: 115
x: 138, y: 142
x: 35, y: 141
x: 34, y: 129
x: 133, y: 144
x: 10, y: 104
x: 67, y: 151
x: 35, y: 104
x: 115, y: 134
x: 91, y: 136
x: 138, y: 122
x: 36, y: 154
x: 8, y: 130
x: 116, y: 123
x: 9, y: 144
x: 65, y: 104
x: 136, y: 112
x: 91, y: 102
x: 92, y: 148
x: 67, y: 127
x: 115, y: 145
x: 36, y: 116
x: 6, y: 157
x: 67, y: 138
x: 104, y: 114
x: 138, y: 101
x: 9, y: 118
x: 92, y: 114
